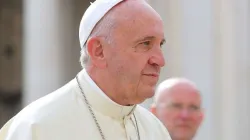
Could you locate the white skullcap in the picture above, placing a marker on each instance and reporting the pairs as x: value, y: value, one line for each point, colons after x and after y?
x: 92, y: 16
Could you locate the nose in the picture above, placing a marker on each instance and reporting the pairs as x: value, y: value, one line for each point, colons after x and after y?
x: 184, y: 113
x: 157, y: 58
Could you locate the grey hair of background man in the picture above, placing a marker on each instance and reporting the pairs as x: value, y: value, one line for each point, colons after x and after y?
x: 104, y: 29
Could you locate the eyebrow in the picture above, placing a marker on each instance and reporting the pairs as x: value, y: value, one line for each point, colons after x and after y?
x: 151, y: 38
x: 192, y: 104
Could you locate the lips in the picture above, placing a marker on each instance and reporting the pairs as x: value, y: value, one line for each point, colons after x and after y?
x: 184, y: 125
x: 156, y: 75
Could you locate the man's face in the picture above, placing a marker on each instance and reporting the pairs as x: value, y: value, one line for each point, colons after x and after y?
x: 135, y: 57
x: 181, y: 113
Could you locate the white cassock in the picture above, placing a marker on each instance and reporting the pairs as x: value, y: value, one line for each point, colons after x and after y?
x: 64, y: 115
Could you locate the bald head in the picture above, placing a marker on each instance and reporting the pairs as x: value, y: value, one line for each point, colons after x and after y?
x: 178, y: 105
x: 174, y: 86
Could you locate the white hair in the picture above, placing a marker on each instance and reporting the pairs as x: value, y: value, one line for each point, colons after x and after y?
x: 103, y: 28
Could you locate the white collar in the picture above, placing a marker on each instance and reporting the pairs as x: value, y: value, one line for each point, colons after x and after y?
x: 100, y: 101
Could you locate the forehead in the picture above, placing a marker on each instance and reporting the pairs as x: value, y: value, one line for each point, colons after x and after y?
x: 139, y: 20
x: 182, y: 95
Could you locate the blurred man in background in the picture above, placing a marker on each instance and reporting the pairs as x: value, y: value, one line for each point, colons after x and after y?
x: 178, y: 105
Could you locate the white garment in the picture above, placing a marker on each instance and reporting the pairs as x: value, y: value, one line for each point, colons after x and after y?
x: 63, y: 115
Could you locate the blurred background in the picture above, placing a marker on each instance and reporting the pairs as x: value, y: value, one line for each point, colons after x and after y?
x: 208, y: 42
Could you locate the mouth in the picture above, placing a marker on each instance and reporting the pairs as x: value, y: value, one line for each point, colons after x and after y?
x: 184, y: 126
x: 154, y: 75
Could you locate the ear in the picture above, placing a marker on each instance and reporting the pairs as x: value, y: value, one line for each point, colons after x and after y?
x: 95, y: 50
x: 201, y: 117
x: 153, y: 109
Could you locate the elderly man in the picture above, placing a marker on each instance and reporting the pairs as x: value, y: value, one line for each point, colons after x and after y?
x: 121, y: 54
x: 178, y: 105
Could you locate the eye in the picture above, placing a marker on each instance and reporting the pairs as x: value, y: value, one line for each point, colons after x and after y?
x: 194, y: 107
x: 146, y: 43
x: 144, y: 46
x: 176, y: 106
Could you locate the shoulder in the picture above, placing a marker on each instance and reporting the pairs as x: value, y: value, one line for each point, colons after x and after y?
x: 48, y: 109
x: 151, y: 123
x: 51, y: 103
x: 148, y: 116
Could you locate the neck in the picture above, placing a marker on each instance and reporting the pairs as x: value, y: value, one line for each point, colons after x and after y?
x: 105, y: 84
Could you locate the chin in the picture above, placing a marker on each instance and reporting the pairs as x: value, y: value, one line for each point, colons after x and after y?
x: 146, y: 92
x: 185, y: 135
x: 149, y: 93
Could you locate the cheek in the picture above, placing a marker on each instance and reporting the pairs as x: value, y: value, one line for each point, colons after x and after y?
x: 116, y: 62
x: 128, y: 65
x: 166, y: 117
x: 133, y: 65
x: 197, y: 121
x: 125, y: 70
x: 139, y: 59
